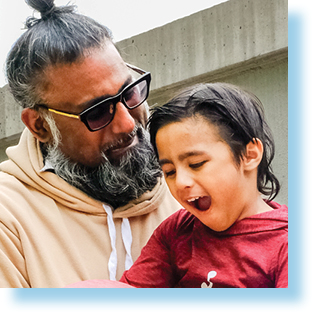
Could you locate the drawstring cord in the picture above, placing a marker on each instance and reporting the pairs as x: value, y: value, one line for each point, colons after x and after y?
x: 127, y: 240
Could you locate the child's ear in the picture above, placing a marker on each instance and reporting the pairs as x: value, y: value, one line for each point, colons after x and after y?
x: 253, y: 155
x: 36, y: 124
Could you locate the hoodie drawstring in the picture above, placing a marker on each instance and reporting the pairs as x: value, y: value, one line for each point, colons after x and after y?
x: 127, y: 240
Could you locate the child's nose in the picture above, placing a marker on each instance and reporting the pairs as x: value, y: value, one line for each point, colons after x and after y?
x: 183, y: 180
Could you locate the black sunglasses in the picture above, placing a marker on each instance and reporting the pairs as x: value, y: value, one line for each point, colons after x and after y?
x: 101, y: 114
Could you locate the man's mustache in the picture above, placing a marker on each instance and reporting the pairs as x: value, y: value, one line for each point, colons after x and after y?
x: 122, y: 142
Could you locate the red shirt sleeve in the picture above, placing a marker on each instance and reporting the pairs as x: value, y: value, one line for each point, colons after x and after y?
x: 153, y: 268
x: 282, y: 270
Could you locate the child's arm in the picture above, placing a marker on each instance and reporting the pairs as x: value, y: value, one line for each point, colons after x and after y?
x: 154, y: 268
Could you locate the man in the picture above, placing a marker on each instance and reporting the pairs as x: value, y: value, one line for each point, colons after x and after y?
x: 82, y: 192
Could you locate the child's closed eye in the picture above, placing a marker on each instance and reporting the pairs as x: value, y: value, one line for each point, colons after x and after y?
x: 169, y: 173
x: 197, y: 165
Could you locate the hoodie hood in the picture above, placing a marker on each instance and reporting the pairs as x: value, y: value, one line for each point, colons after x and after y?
x: 26, y: 161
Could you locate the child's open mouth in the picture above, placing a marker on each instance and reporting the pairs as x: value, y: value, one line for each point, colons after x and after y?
x: 201, y: 203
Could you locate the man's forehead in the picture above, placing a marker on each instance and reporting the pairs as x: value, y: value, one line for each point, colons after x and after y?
x: 101, y: 74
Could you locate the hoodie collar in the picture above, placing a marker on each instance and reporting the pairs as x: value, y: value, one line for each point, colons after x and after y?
x: 26, y: 164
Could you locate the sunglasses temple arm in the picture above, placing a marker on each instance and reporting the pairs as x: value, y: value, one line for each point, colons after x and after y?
x: 138, y: 70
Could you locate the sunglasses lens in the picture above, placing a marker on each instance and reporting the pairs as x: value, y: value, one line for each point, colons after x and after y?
x: 136, y: 95
x: 101, y: 115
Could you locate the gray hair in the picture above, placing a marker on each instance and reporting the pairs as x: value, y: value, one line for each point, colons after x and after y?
x: 114, y: 182
x: 55, y: 133
x: 59, y: 36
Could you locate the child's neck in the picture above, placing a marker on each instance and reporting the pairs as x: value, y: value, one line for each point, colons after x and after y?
x: 263, y: 206
x: 256, y: 206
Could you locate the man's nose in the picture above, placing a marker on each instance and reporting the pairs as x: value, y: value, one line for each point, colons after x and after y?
x: 123, y: 122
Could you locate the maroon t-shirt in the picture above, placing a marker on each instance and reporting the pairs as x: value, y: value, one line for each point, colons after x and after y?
x: 183, y: 252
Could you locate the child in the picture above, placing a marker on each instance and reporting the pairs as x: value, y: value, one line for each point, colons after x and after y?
x: 215, y: 150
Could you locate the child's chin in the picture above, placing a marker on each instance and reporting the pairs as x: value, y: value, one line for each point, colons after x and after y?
x: 215, y: 226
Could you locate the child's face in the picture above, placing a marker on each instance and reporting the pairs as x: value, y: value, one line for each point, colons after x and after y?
x: 201, y: 173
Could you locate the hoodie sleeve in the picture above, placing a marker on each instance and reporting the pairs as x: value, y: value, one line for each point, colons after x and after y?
x: 13, y: 272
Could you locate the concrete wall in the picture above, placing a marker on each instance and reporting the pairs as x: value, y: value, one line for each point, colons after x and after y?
x: 10, y: 121
x: 228, y: 38
x: 239, y: 41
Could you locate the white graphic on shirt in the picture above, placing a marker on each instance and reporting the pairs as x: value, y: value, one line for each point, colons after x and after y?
x: 211, y: 274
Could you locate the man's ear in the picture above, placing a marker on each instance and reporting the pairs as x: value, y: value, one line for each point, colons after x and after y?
x: 253, y: 155
x: 36, y: 124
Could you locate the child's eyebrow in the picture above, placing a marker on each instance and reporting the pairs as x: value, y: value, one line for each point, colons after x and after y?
x: 164, y: 161
x: 182, y: 157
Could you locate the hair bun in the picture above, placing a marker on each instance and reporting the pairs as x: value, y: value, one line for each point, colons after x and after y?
x: 45, y: 7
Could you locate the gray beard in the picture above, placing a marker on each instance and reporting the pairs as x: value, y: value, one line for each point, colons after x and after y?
x: 116, y: 182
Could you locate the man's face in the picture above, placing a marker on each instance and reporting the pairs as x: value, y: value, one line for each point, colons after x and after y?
x: 73, y: 87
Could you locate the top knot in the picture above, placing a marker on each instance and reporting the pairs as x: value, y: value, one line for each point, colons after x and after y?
x: 47, y: 9
x: 44, y: 7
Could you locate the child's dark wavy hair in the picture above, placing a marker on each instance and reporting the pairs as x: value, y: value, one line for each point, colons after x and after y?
x: 237, y: 114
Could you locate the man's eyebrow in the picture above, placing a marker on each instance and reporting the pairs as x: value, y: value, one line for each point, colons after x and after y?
x: 182, y: 157
x: 89, y: 103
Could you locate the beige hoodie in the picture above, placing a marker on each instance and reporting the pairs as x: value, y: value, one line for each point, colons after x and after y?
x: 52, y: 234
